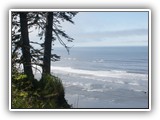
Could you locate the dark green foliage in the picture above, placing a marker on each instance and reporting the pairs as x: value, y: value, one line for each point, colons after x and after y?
x: 26, y: 91
x: 46, y: 94
x: 52, y: 88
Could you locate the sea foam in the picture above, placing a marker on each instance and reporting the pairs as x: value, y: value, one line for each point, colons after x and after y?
x: 111, y: 73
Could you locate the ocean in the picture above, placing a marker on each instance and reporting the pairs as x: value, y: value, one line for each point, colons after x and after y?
x: 104, y: 77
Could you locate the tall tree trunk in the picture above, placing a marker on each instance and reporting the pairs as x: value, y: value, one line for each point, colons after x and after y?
x: 25, y: 46
x: 48, y: 44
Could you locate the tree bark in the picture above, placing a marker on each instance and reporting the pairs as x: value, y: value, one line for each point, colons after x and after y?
x: 48, y: 44
x: 25, y: 45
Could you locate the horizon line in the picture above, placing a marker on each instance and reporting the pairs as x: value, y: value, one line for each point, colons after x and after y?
x: 105, y: 46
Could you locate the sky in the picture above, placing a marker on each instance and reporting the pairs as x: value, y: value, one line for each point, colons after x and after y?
x: 108, y: 29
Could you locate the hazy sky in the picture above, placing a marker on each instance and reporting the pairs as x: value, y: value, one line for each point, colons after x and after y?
x: 109, y: 29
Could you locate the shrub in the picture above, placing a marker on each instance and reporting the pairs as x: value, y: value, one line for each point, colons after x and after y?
x: 48, y: 93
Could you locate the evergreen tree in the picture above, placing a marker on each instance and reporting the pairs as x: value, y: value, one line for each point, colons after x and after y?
x: 54, y: 32
x: 49, y: 26
x: 48, y: 44
x: 26, y: 56
x: 26, y: 91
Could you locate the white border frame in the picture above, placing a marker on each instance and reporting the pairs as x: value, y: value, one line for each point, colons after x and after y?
x: 85, y: 10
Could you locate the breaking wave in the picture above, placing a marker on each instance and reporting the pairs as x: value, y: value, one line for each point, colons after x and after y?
x: 111, y: 73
